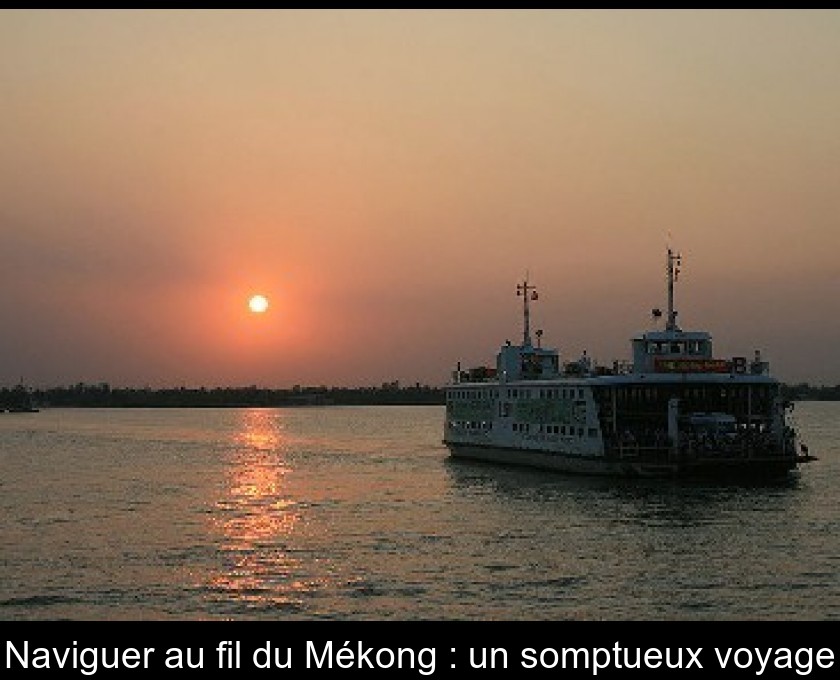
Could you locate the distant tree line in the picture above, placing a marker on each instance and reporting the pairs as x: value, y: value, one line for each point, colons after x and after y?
x: 806, y: 392
x: 102, y: 395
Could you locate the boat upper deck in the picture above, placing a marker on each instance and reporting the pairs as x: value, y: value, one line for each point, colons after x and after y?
x: 658, y: 356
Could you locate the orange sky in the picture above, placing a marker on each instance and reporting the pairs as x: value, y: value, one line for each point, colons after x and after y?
x: 387, y: 177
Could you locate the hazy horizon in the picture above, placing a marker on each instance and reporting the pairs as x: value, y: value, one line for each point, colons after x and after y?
x: 386, y: 178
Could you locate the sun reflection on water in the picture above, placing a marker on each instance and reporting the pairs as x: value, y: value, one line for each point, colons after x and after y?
x: 256, y: 518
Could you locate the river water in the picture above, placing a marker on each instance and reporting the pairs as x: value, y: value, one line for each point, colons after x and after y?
x: 358, y: 513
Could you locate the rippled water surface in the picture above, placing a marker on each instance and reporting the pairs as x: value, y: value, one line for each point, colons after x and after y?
x: 358, y: 513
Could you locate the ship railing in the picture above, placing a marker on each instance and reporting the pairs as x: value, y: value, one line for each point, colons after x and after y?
x: 668, y: 454
x: 622, y: 367
x: 738, y: 448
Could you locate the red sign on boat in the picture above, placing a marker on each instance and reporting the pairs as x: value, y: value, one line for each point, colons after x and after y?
x: 685, y: 365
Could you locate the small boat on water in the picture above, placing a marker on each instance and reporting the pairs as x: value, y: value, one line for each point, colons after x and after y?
x: 676, y: 411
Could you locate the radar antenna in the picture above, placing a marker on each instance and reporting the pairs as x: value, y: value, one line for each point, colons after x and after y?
x: 673, y: 269
x: 528, y: 293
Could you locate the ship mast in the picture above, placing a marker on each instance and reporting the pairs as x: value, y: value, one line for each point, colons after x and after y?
x: 528, y: 293
x: 673, y: 268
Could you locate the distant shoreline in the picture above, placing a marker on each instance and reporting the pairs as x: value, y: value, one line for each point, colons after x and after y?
x: 102, y: 395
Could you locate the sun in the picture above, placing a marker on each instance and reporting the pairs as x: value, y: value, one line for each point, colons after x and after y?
x: 258, y: 304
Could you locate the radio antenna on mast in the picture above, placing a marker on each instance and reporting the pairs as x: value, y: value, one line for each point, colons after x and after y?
x: 673, y: 269
x: 528, y: 292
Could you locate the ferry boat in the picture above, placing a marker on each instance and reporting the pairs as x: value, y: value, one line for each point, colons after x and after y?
x: 675, y: 411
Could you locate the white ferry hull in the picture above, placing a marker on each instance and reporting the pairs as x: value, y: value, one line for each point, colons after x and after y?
x: 769, y: 467
x: 546, y: 460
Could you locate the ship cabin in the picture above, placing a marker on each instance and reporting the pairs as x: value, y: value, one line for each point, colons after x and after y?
x: 677, y: 351
x: 657, y: 350
x: 526, y: 362
x: 514, y: 363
